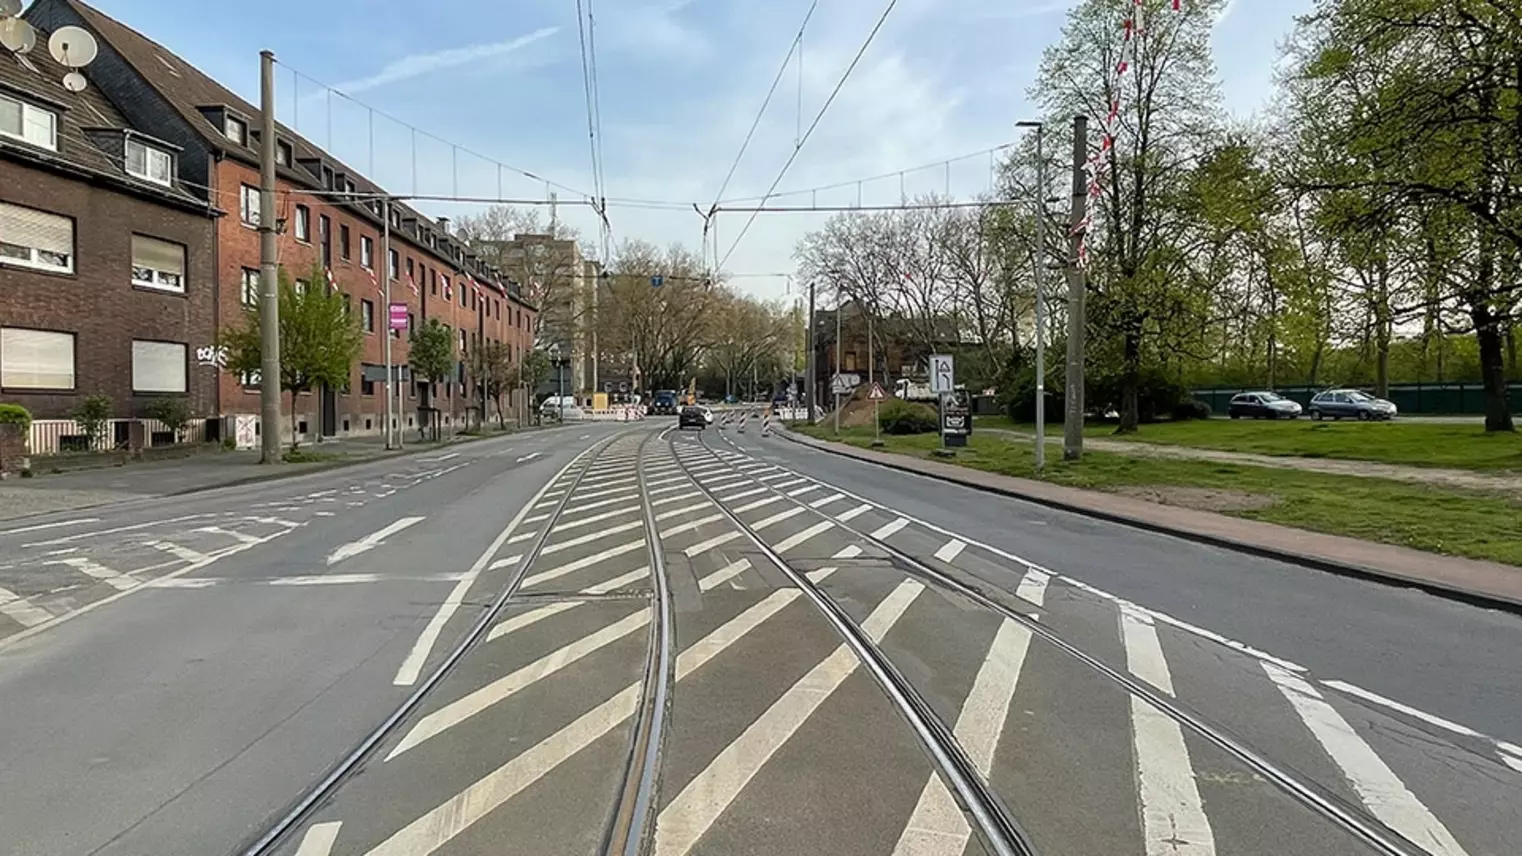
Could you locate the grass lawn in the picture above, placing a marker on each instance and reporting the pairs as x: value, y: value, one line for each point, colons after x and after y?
x: 1459, y: 523
x: 1418, y: 444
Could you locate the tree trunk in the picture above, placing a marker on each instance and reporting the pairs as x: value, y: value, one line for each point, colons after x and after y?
x: 1487, y: 330
x: 1130, y: 382
x: 1382, y: 330
x: 294, y: 440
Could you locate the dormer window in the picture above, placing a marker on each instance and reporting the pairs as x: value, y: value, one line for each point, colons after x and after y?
x: 235, y: 130
x: 282, y: 153
x: 29, y: 124
x: 148, y: 163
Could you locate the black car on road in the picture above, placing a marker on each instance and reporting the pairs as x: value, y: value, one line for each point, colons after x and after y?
x: 692, y: 417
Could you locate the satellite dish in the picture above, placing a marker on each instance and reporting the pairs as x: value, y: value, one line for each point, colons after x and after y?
x: 9, y: 8
x: 72, y: 46
x: 16, y: 34
x: 75, y: 82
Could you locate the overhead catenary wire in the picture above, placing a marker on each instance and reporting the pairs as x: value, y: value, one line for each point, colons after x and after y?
x: 939, y: 162
x: 812, y: 125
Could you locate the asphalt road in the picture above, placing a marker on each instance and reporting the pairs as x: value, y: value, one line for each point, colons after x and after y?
x: 177, y: 674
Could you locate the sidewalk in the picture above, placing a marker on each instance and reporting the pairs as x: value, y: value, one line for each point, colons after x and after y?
x: 1487, y: 583
x: 1435, y: 476
x: 51, y: 492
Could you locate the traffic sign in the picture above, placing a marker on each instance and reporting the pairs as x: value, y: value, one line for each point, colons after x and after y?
x: 876, y: 392
x: 657, y: 281
x: 842, y: 384
x: 942, y: 373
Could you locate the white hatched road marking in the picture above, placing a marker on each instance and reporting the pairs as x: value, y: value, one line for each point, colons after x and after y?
x: 41, y: 526
x: 371, y: 541
x: 534, y: 616
x: 950, y: 550
x: 21, y: 610
x: 78, y: 536
x: 797, y: 538
x: 179, y: 552
x: 850, y: 551
x: 705, y: 546
x: 685, y: 484
x: 507, y: 562
x: 503, y: 688
x: 803, y: 490
x: 596, y: 518
x: 1032, y: 586
x: 624, y: 491
x: 1173, y: 817
x: 319, y: 839
x: 726, y: 483
x: 590, y: 537
x: 579, y: 507
x: 537, y: 518
x: 691, y: 525
x: 523, y: 536
x: 888, y: 529
x: 937, y: 827
x: 686, y: 509
x: 1511, y: 755
x: 585, y: 562
x: 100, y: 572
x: 742, y: 494
x: 460, y: 812
x: 848, y: 516
x: 680, y: 497
x: 820, y: 503
x: 240, y: 537
x: 1382, y: 791
x: 690, y: 813
x: 760, y: 503
x: 780, y: 516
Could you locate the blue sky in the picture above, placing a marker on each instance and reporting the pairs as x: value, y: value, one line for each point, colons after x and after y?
x: 680, y: 82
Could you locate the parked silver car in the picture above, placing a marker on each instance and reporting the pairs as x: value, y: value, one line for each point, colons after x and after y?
x: 1349, y: 404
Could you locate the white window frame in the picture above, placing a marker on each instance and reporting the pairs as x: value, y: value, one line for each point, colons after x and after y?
x: 144, y: 349
x: 10, y: 382
x: 283, y: 153
x: 367, y: 316
x: 38, y: 258
x: 146, y: 276
x: 241, y: 135
x: 303, y: 225
x: 151, y: 157
x: 246, y: 285
x: 29, y: 114
x: 248, y: 205
x: 367, y: 252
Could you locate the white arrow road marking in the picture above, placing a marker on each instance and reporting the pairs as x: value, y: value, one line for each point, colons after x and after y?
x: 319, y: 839
x: 689, y: 815
x: 21, y: 610
x: 371, y: 541
x: 1382, y: 791
x: 100, y: 572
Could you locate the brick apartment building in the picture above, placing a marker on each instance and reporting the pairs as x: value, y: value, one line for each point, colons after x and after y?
x: 216, y: 135
x: 107, y: 259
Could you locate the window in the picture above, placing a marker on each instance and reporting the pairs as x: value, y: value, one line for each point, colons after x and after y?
x: 433, y: 281
x: 149, y: 163
x: 367, y: 315
x: 343, y: 243
x: 235, y: 130
x: 411, y: 322
x: 325, y: 233
x: 303, y: 223
x: 248, y: 205
x: 302, y: 286
x: 464, y: 341
x: 158, y: 264
x: 283, y: 153
x: 409, y: 269
x: 36, y: 239
x: 36, y: 359
x: 367, y: 251
x: 158, y: 366
x: 27, y: 123
x: 447, y: 295
x: 250, y: 287
x: 393, y: 266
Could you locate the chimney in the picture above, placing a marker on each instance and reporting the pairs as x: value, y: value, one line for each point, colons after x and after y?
x: 444, y: 225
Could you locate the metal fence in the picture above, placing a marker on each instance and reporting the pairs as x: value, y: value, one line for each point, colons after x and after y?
x: 1448, y: 399
x: 63, y: 436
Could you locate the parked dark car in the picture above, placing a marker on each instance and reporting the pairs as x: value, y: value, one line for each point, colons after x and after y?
x: 1262, y: 405
x: 1349, y: 404
x: 692, y: 417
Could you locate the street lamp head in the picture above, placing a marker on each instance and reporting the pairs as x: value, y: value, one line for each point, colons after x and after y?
x: 1030, y: 124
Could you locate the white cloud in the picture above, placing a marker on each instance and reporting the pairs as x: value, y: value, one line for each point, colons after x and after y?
x: 417, y: 65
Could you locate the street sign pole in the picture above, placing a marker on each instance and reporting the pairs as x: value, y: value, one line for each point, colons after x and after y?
x: 942, y: 383
x: 877, y: 395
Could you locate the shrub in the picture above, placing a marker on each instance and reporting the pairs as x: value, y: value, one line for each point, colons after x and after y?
x: 1019, y: 403
x: 1156, y: 393
x: 15, y: 414
x: 93, y: 415
x: 1192, y: 409
x: 173, y: 412
x: 904, y: 417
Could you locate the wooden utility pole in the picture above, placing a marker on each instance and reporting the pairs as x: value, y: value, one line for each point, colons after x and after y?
x: 1072, y: 427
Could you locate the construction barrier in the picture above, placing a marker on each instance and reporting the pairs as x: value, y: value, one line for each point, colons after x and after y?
x: 609, y: 414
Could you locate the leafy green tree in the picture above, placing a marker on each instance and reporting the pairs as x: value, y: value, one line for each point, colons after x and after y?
x: 93, y: 415
x: 492, y: 366
x: 534, y: 368
x: 319, y: 339
x: 432, y: 357
x: 173, y: 412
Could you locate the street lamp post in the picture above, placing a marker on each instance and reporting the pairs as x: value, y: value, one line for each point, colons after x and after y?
x: 1040, y: 271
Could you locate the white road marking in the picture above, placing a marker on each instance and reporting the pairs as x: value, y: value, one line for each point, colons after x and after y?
x: 705, y: 546
x: 162, y: 583
x: 691, y: 525
x: 760, y: 503
x: 529, y: 457
x: 327, y: 580
x: 100, y: 572
x: 692, y: 811
x: 21, y: 610
x: 950, y: 550
x: 724, y: 574
x: 848, y: 516
x: 584, y: 562
x: 606, y: 482
x: 596, y: 518
x: 795, y: 539
x: 850, y: 551
x: 371, y: 541
x: 504, y: 563
x: 789, y: 483
x: 686, y: 509
x: 534, y: 616
x: 669, y: 488
x: 407, y: 673
x: 503, y: 688
x: 1382, y: 791
x: 69, y: 539
x: 319, y: 839
x: 537, y: 518
x: 460, y: 812
x: 669, y: 480
x: 742, y: 494
x: 523, y: 536
x: 440, y: 459
x: 579, y: 507
x: 1032, y: 586
x: 1173, y: 817
x: 780, y: 516
x: 590, y: 537
x: 1429, y: 718
x: 680, y: 497
x: 726, y: 483
x: 937, y: 827
x: 41, y: 526
x: 820, y: 503
x: 803, y: 490
x: 624, y: 490
x: 888, y: 529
